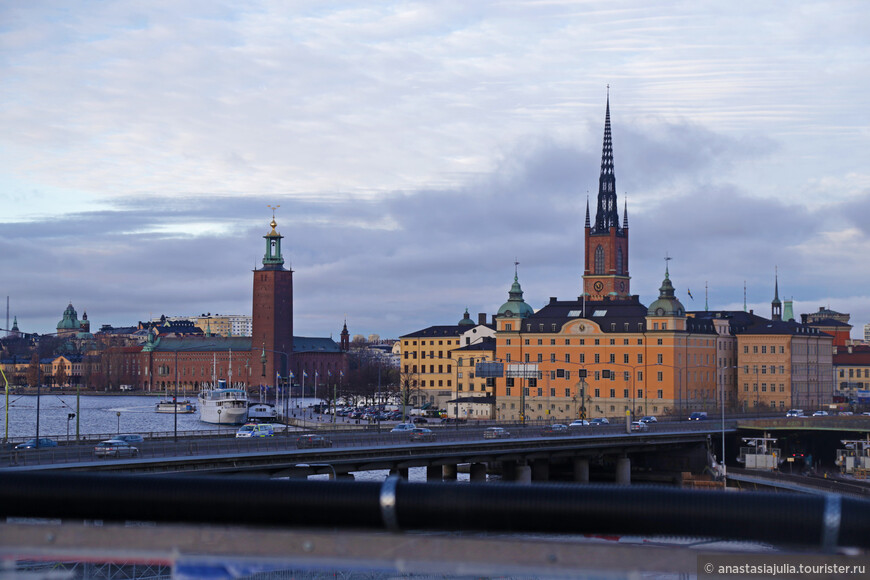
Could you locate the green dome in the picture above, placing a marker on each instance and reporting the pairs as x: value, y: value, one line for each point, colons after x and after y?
x: 466, y: 320
x: 515, y: 306
x: 70, y: 319
x: 667, y: 304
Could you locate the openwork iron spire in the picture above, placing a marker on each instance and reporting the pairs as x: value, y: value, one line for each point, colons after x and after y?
x: 607, y: 216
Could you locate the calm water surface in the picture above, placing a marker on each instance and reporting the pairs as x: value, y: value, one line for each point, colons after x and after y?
x: 98, y: 415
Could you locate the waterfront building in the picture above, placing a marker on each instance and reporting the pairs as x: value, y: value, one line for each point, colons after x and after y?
x: 427, y: 365
x: 852, y: 373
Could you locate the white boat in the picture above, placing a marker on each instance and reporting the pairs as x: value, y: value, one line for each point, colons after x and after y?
x: 263, y: 412
x: 180, y: 407
x: 223, y: 406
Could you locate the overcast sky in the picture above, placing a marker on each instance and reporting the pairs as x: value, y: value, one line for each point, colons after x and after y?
x: 416, y: 149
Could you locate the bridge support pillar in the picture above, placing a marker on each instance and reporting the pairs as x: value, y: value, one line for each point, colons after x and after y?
x: 433, y: 473
x: 540, y: 470
x: 523, y: 474
x: 508, y: 470
x: 400, y: 471
x: 346, y: 476
x: 581, y: 469
x: 623, y: 470
x: 448, y: 472
x: 477, y: 472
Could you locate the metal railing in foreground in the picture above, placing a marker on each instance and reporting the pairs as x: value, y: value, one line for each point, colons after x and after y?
x: 823, y: 522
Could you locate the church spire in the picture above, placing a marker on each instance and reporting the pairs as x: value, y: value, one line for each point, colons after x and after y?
x: 607, y: 216
x: 625, y: 215
x: 775, y: 304
x: 587, y: 209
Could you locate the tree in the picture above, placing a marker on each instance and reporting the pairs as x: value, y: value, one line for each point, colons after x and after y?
x: 60, y: 376
x: 33, y: 377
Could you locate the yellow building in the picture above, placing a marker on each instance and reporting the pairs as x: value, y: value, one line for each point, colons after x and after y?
x: 604, y: 358
x: 428, y: 366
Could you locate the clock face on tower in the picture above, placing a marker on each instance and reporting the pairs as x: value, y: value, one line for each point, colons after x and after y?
x: 599, y: 285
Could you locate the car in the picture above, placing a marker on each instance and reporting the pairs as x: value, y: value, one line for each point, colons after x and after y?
x: 115, y: 448
x: 820, y: 414
x: 312, y: 441
x: 599, y: 421
x: 496, y: 433
x: 578, y: 423
x: 845, y: 413
x: 421, y: 434
x: 129, y: 438
x: 639, y: 426
x: 31, y: 443
x: 419, y: 420
x: 255, y: 430
x: 649, y: 419
x: 795, y: 413
x: 449, y: 420
x: 698, y: 416
x: 402, y: 428
x: 555, y: 429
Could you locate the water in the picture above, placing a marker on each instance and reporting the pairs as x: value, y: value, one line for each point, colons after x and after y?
x: 98, y: 415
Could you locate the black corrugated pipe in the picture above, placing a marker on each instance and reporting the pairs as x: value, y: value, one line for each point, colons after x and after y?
x: 807, y: 520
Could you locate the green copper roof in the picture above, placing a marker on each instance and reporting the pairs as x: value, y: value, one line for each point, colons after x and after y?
x: 515, y: 306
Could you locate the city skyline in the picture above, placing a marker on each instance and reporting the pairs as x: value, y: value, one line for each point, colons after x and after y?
x: 418, y: 150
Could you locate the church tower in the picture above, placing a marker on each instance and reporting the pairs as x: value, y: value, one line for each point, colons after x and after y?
x: 272, y: 311
x: 605, y: 271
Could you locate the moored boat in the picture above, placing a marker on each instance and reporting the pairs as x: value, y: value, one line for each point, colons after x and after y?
x: 262, y: 412
x: 170, y: 406
x: 223, y: 406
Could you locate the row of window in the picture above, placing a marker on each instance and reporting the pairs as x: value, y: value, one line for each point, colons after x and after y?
x: 855, y: 373
x: 763, y: 349
x: 763, y: 387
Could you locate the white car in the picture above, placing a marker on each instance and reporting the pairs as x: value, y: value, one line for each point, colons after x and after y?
x: 403, y: 428
x: 820, y: 414
x: 579, y: 423
x: 639, y: 426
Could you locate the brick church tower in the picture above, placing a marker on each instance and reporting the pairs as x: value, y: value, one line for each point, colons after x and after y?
x: 605, y: 272
x: 272, y: 311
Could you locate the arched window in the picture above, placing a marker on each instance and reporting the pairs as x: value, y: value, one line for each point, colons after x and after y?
x: 619, y: 271
x: 599, y: 260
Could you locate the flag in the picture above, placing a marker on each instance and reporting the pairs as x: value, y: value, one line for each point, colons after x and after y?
x: 304, y: 375
x: 690, y: 294
x: 329, y: 373
x: 341, y: 373
x: 292, y: 376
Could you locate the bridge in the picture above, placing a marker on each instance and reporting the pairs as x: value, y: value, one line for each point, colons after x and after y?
x: 605, y: 453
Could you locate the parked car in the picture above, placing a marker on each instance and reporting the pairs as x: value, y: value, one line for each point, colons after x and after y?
x: 31, y: 443
x: 698, y: 416
x: 312, y: 441
x: 402, y: 428
x: 599, y: 421
x: 555, y: 429
x: 820, y: 414
x: 255, y: 430
x: 129, y: 438
x: 639, y: 426
x: 421, y: 434
x: 649, y: 419
x: 579, y: 423
x: 115, y: 448
x: 496, y: 433
x: 449, y: 420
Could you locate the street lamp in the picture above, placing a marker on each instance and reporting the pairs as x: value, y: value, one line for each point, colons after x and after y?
x: 68, y: 417
x: 119, y: 422
x: 219, y: 420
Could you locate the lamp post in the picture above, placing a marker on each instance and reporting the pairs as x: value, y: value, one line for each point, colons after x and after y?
x: 119, y: 422
x: 68, y: 418
x: 219, y: 420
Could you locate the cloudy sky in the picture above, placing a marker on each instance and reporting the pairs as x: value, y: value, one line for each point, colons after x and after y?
x: 416, y: 149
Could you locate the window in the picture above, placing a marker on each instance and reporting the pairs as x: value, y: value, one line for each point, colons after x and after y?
x: 582, y: 358
x: 508, y: 357
x: 567, y: 358
x: 553, y: 340
x: 639, y: 359
x: 626, y: 376
x: 659, y: 342
x: 508, y: 342
x: 552, y: 392
x: 540, y: 357
x: 764, y: 349
x: 619, y: 261
x: 597, y: 393
x: 599, y: 260
x: 660, y: 394
x: 755, y: 350
x: 508, y: 393
x: 640, y: 393
x: 552, y: 357
x: 597, y: 358
x: 509, y: 382
x: 625, y: 358
x: 526, y: 342
x: 639, y: 376
x: 659, y: 376
x: 597, y: 342
x: 624, y: 393
x: 613, y: 340
x: 567, y: 392
x: 612, y: 393
x: 540, y: 341
x: 612, y: 358
x: 508, y: 326
x: 659, y: 359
